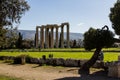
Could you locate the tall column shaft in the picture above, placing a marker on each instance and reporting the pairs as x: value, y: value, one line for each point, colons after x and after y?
x: 46, y: 37
x: 42, y: 37
x: 68, y: 38
x: 36, y: 37
x: 52, y: 37
x: 56, y: 37
x: 62, y: 36
x: 48, y: 46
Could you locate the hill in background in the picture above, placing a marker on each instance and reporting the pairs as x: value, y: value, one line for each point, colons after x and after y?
x: 30, y: 34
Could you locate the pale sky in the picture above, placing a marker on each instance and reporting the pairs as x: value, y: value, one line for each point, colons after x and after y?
x: 81, y: 14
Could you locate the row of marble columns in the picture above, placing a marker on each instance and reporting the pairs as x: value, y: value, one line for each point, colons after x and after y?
x: 49, y: 36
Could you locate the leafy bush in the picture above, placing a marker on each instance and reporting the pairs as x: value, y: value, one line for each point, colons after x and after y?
x: 34, y: 60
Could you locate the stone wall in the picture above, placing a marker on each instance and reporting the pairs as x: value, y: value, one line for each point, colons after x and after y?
x: 53, y: 61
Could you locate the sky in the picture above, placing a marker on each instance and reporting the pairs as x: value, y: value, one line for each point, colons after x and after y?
x: 81, y: 14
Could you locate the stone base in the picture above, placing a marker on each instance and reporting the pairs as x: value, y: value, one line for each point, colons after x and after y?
x: 114, y: 70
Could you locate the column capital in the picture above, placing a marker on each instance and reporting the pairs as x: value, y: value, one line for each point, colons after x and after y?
x: 66, y: 23
x: 57, y: 26
x: 38, y: 26
x: 43, y: 26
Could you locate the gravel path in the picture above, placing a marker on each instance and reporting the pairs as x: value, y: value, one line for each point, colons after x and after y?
x: 35, y: 72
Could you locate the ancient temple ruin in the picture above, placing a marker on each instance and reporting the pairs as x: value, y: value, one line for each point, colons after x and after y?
x: 45, y: 36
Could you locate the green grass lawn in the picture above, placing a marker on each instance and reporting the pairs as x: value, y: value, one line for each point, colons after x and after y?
x: 59, y: 50
x: 108, y: 56
x: 8, y: 78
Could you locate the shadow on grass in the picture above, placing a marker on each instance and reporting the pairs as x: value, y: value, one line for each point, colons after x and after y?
x: 100, y: 75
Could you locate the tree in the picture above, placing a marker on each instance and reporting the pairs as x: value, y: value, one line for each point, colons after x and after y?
x: 11, y: 37
x: 19, y: 41
x: 2, y: 38
x: 96, y: 39
x: 27, y: 43
x: 80, y: 43
x: 115, y: 17
x: 74, y: 43
x: 71, y: 43
x: 11, y: 12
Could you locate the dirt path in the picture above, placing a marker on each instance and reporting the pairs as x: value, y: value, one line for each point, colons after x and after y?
x: 34, y: 72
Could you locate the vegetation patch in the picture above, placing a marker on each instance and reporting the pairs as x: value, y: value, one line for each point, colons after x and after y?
x: 108, y: 56
x: 8, y: 78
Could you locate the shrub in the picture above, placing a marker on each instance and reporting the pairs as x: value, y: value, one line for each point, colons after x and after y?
x: 28, y: 59
x: 34, y: 60
x: 50, y: 55
x: 42, y: 62
x: 44, y: 57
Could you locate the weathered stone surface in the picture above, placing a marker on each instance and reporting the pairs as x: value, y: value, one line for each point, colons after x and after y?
x: 72, y: 63
x: 49, y: 41
x: 114, y: 69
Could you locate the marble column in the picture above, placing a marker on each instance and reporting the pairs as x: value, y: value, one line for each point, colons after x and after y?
x: 62, y: 36
x: 45, y: 37
x: 36, y: 44
x: 52, y: 37
x: 48, y: 46
x: 56, y: 37
x: 68, y: 44
x: 42, y: 37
